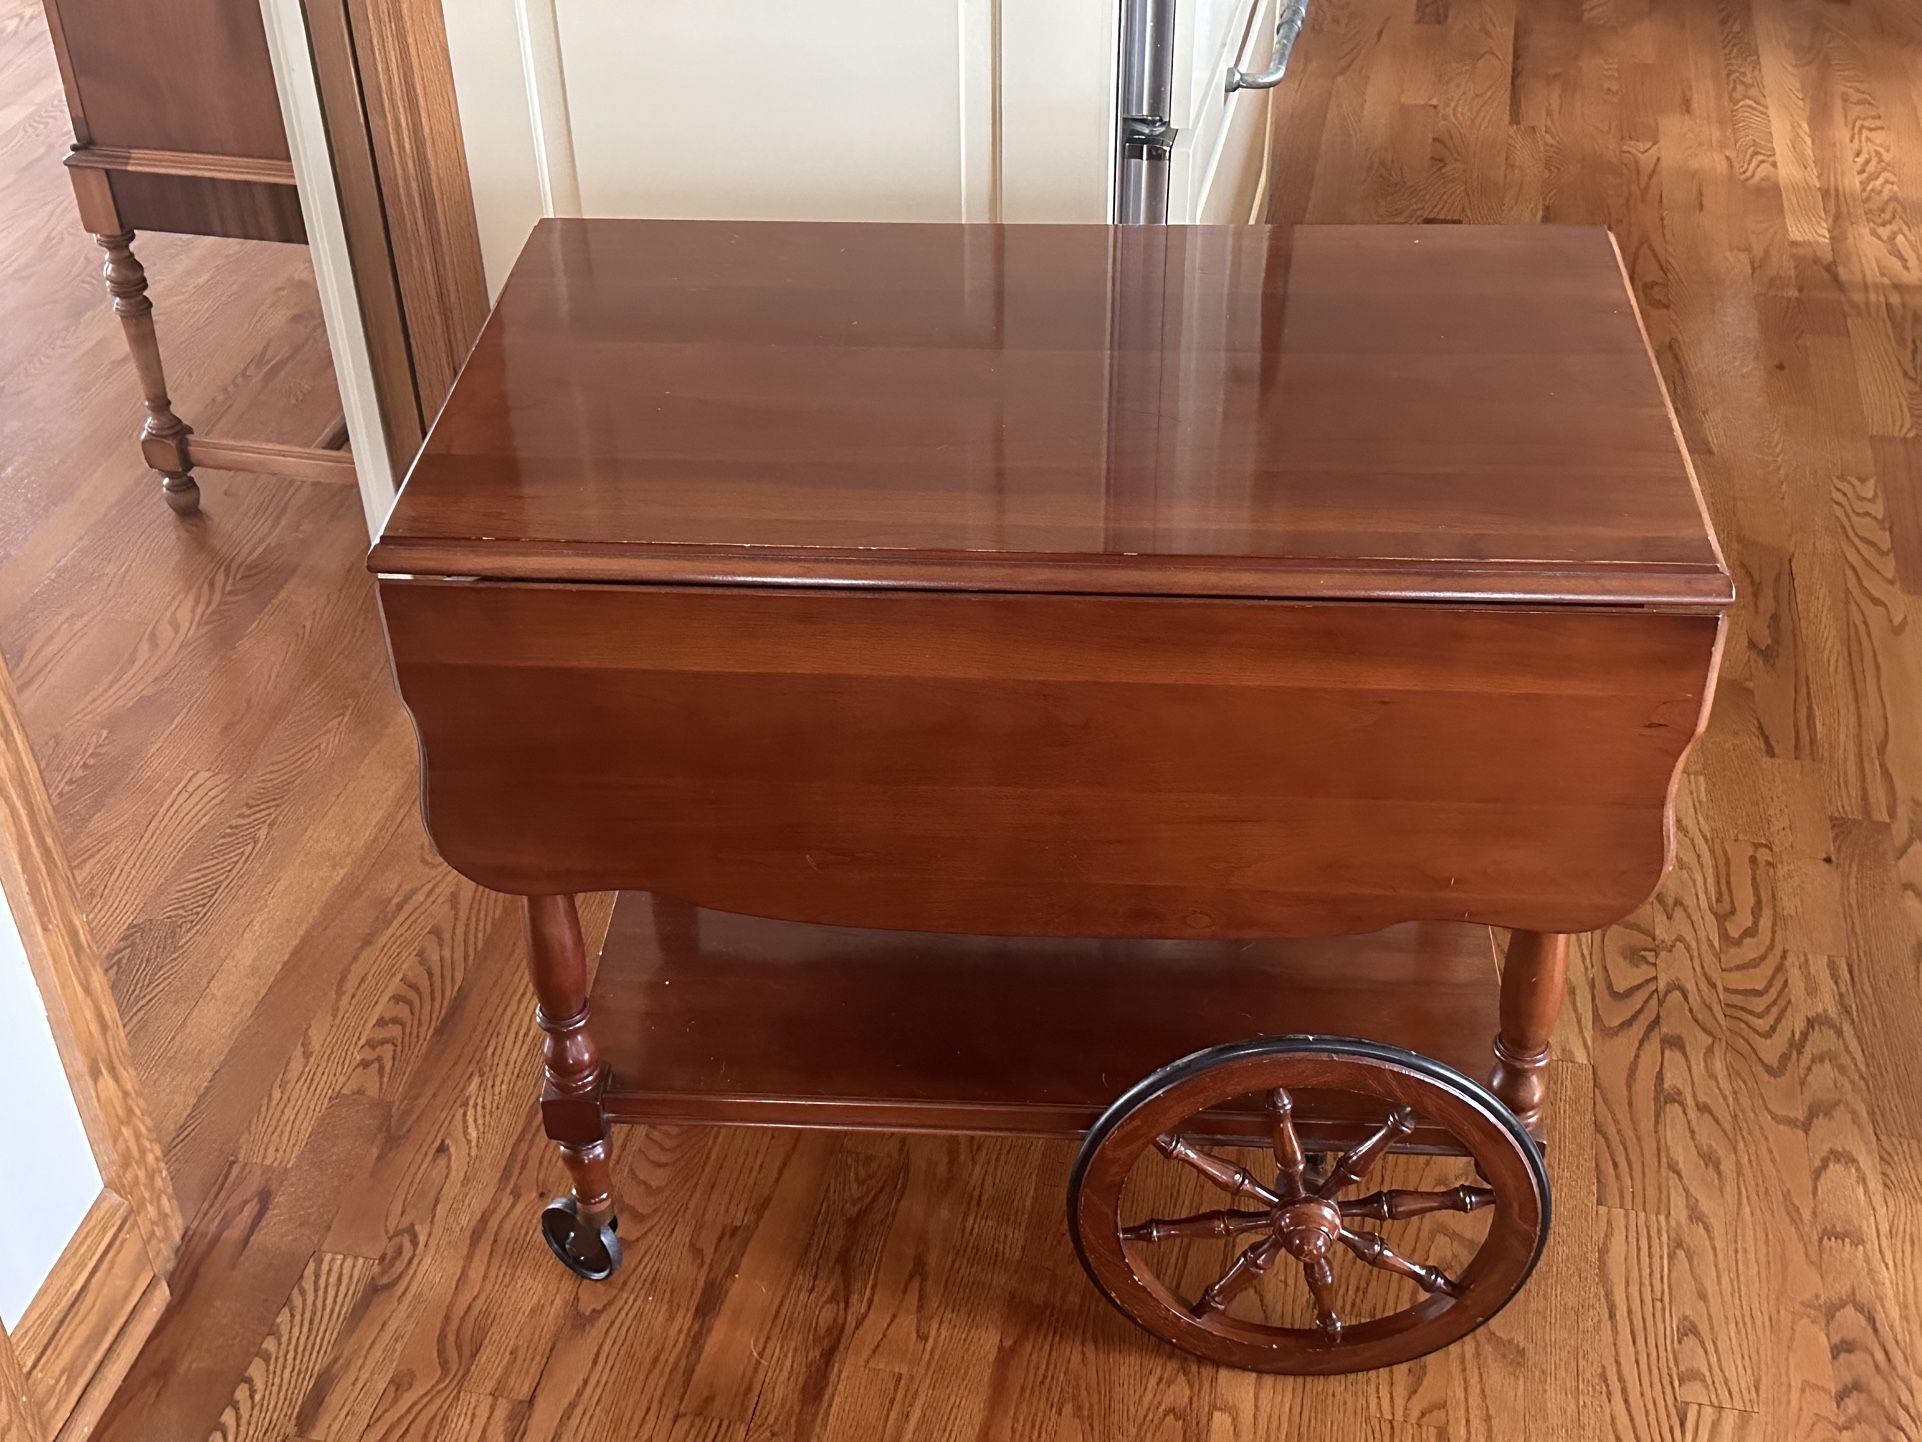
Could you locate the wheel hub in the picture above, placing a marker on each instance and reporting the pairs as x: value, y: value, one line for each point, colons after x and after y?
x: 1308, y: 1229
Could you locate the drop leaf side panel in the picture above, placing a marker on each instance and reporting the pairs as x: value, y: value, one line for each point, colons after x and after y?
x: 1052, y: 765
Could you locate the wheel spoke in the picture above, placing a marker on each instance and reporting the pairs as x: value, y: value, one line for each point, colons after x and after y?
x: 1293, y: 1176
x: 1360, y: 1157
x: 1321, y: 1284
x: 1396, y: 1205
x: 1226, y: 1175
x: 1242, y: 1274
x: 1377, y: 1253
x: 1201, y: 1224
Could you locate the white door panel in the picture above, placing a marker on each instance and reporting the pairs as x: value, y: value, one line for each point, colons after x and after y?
x: 1055, y: 143
x: 972, y: 110
x: 1220, y: 158
x: 737, y: 109
x: 1219, y: 26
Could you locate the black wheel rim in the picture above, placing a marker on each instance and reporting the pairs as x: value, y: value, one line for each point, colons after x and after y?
x: 588, y: 1253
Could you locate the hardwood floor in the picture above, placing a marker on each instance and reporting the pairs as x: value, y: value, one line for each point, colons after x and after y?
x: 335, y: 1030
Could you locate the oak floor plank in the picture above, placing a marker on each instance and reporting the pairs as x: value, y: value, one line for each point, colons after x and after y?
x: 829, y: 1290
x: 246, y: 1247
x: 478, y: 1417
x: 1067, y: 1365
x: 1568, y: 1281
x: 1871, y: 1344
x: 447, y: 1172
x: 496, y: 1322
x: 263, y: 1405
x: 696, y: 1203
x: 947, y: 1279
x: 1901, y: 1159
x: 365, y: 1037
x: 1796, y: 1395
x: 724, y: 1384
x: 311, y: 857
x: 1627, y: 1061
x: 1638, y: 1385
x: 1714, y: 1261
x: 239, y: 1071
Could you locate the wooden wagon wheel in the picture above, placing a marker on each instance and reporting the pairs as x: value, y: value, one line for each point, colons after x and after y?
x: 1307, y: 1218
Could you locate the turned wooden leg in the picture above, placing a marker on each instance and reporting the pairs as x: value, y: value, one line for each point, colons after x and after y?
x: 571, y: 1063
x: 1533, y: 977
x: 163, y: 440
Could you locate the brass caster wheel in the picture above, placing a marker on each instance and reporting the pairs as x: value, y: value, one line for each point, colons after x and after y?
x: 1196, y: 1279
x: 591, y: 1253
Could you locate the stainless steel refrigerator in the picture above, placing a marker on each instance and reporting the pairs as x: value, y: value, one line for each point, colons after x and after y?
x: 1148, y: 128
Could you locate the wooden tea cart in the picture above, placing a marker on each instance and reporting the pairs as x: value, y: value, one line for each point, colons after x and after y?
x: 1080, y: 681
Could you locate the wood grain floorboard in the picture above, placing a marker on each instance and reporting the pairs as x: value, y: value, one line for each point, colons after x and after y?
x: 334, y: 1029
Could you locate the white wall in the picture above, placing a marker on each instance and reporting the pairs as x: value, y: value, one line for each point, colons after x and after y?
x: 48, y: 1179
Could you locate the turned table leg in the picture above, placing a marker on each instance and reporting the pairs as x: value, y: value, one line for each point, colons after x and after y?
x: 579, y: 1227
x: 163, y: 440
x: 1533, y: 976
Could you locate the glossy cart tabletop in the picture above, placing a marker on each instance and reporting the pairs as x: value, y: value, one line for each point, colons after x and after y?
x: 1388, y: 412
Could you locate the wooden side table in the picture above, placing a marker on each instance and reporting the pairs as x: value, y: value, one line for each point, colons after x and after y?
x: 177, y: 127
x: 996, y: 665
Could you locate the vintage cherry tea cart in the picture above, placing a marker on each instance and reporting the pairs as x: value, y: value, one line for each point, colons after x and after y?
x: 1082, y: 681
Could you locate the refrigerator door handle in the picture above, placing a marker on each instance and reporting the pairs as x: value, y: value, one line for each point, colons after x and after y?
x: 1287, y: 31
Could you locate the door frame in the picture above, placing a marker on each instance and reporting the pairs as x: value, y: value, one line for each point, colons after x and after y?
x: 373, y: 125
x: 77, y: 1337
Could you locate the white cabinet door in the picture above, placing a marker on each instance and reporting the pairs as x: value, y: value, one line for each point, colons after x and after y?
x: 1218, y: 171
x: 740, y: 109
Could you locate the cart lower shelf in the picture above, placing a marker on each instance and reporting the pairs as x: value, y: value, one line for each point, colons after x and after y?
x: 710, y: 1018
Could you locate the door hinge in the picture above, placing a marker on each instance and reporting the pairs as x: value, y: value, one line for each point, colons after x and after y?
x: 1151, y: 133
